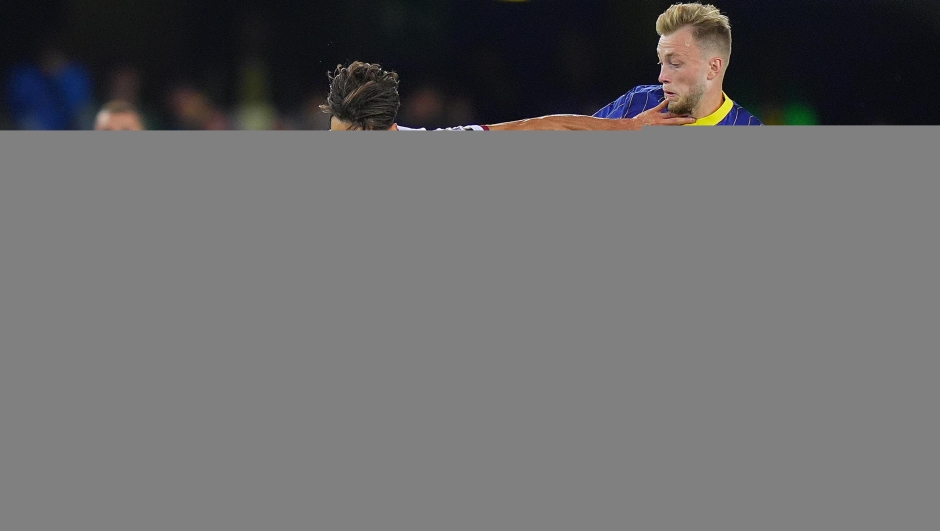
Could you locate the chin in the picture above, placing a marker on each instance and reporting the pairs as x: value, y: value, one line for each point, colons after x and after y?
x: 679, y: 107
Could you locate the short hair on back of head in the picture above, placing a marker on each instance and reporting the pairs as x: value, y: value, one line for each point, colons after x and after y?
x: 363, y: 95
x: 711, y: 29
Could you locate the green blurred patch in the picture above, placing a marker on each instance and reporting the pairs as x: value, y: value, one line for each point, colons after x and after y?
x: 799, y: 113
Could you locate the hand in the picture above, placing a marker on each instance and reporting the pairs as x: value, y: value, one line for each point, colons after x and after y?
x: 656, y: 116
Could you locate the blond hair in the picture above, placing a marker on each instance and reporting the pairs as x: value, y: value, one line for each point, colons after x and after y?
x: 710, y: 28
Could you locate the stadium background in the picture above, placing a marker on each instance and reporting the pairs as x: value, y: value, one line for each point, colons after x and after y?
x: 250, y: 64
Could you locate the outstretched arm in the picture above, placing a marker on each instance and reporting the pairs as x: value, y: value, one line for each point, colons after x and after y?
x: 574, y: 122
x: 567, y: 122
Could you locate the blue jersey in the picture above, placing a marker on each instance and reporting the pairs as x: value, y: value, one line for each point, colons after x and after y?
x: 646, y: 97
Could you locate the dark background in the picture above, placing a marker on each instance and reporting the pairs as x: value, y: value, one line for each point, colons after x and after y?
x: 484, y: 61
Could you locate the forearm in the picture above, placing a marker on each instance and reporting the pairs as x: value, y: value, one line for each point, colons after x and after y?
x: 566, y: 122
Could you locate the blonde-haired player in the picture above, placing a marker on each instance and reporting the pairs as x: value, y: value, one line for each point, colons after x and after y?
x: 694, y: 50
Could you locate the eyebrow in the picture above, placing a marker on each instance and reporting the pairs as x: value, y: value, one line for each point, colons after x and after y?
x: 671, y: 55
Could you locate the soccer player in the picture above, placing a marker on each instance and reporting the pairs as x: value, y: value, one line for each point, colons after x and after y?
x: 364, y: 96
x: 118, y: 115
x: 694, y: 50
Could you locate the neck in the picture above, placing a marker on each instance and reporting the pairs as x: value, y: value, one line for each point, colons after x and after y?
x: 709, y: 104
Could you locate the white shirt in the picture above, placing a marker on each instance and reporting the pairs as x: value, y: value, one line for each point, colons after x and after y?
x: 458, y: 128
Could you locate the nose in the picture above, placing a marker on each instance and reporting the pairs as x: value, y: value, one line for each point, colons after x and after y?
x: 662, y: 74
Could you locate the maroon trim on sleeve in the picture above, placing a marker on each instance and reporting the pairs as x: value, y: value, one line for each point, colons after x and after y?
x: 485, y: 127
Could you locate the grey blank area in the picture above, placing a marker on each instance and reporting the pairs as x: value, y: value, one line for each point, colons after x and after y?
x: 419, y: 332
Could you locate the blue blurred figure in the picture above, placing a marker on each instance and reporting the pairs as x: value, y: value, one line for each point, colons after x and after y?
x: 51, y: 93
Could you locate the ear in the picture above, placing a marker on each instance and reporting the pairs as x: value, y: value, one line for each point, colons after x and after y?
x: 394, y: 127
x: 715, y: 66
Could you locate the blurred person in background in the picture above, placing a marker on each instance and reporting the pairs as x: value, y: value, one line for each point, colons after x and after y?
x: 435, y: 107
x: 124, y: 84
x: 308, y: 116
x: 363, y: 96
x: 426, y: 105
x: 52, y: 92
x: 192, y: 110
x: 119, y: 115
x: 254, y: 110
x: 694, y: 50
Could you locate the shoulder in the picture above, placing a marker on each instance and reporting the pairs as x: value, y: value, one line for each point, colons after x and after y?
x: 643, y: 91
x: 636, y: 100
x: 741, y: 116
x: 23, y: 71
x: 642, y: 98
x: 76, y: 71
x: 647, y: 89
x: 464, y: 128
x: 458, y: 128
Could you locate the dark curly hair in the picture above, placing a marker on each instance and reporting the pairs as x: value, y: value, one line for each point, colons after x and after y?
x: 363, y: 95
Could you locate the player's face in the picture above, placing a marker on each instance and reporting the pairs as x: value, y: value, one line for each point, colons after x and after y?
x: 684, y: 71
x: 120, y: 121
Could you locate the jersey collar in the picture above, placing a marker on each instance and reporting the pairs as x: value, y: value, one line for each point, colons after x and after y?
x: 717, y: 116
